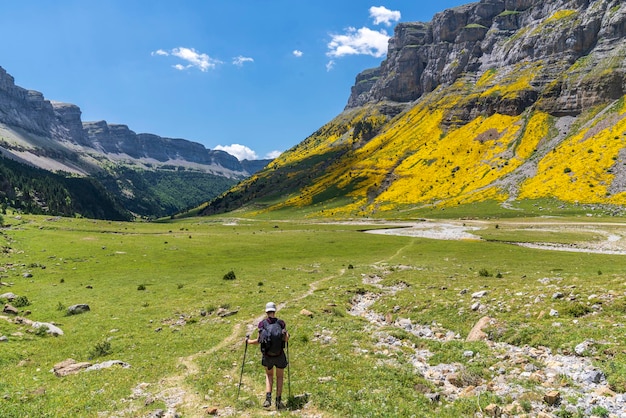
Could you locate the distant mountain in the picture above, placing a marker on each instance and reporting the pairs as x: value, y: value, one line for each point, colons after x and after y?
x: 151, y: 175
x: 499, y: 100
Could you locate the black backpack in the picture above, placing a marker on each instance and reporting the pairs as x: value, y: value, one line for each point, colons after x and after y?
x: 271, y: 338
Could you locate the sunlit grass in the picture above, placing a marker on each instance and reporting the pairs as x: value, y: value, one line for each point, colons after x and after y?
x: 311, y: 264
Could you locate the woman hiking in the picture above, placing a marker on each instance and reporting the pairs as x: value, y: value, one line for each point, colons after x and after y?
x: 272, y: 337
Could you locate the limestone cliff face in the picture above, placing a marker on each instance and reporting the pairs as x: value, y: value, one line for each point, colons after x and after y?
x: 26, y: 109
x: 52, y: 135
x: 507, y: 34
x: 119, y: 139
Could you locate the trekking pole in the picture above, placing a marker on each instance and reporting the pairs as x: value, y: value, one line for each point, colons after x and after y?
x: 288, y: 373
x: 245, y: 350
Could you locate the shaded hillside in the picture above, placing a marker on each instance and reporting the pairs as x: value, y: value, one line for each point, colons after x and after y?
x: 151, y: 175
x: 161, y: 193
x: 493, y: 101
x: 31, y: 190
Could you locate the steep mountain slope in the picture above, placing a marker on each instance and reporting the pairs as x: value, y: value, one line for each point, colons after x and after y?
x: 492, y: 101
x: 151, y: 175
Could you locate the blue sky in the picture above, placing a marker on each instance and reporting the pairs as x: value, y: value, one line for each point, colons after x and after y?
x: 253, y: 77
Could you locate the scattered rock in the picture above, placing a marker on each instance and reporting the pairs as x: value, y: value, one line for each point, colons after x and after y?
x: 583, y: 347
x: 554, y: 312
x: 211, y: 410
x: 513, y: 409
x: 405, y: 323
x: 107, y: 364
x: 78, y: 309
x: 493, y: 410
x: 8, y: 296
x: 51, y: 329
x: 434, y: 397
x: 552, y: 398
x: 477, y: 333
x: 604, y: 391
x: 3, y: 339
x: 478, y: 295
x: 594, y: 376
x: 306, y: 312
x: 455, y: 379
x: 11, y: 310
x: 223, y: 313
x: 27, y: 275
x: 69, y: 366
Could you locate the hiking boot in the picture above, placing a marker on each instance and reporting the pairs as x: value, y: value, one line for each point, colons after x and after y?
x: 279, y: 404
x: 268, y: 401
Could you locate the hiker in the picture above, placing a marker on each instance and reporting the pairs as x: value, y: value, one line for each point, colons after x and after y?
x: 272, y: 337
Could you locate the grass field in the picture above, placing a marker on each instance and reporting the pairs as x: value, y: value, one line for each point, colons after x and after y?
x: 156, y: 291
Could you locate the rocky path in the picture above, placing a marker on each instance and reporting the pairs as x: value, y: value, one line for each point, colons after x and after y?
x: 570, y: 383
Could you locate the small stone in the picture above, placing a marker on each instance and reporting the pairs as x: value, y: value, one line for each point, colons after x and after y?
x: 478, y: 295
x: 554, y: 312
x: 513, y: 409
x: 594, y: 376
x: 434, y: 397
x: 493, y: 410
x: 604, y: 391
x: 306, y: 312
x: 552, y: 398
x: 212, y: 410
x: 455, y: 380
x: 11, y: 310
x: 78, y: 309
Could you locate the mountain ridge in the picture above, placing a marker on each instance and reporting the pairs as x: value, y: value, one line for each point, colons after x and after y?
x: 51, y: 135
x: 491, y: 101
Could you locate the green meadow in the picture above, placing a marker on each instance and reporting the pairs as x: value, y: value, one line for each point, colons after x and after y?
x: 160, y: 301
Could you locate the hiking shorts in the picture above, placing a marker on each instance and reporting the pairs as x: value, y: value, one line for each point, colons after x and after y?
x: 279, y: 361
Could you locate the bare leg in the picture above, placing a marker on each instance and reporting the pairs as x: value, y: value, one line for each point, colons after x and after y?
x: 279, y: 381
x: 269, y: 380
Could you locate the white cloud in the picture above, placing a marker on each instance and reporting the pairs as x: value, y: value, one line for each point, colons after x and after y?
x: 363, y: 41
x: 297, y: 53
x: 383, y: 15
x: 273, y: 154
x: 241, y: 60
x: 240, y: 151
x: 191, y: 57
x: 330, y: 65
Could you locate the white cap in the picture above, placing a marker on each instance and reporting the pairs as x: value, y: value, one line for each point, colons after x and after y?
x: 270, y: 307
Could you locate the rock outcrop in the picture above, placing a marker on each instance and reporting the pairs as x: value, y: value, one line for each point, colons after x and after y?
x: 55, y: 131
x: 508, y: 34
x: 119, y: 139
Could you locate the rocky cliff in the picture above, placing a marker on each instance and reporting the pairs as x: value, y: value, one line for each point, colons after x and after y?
x: 56, y: 134
x: 150, y: 175
x: 504, y: 101
x: 506, y: 35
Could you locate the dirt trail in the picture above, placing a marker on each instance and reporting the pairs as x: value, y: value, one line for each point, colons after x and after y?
x: 183, y: 400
